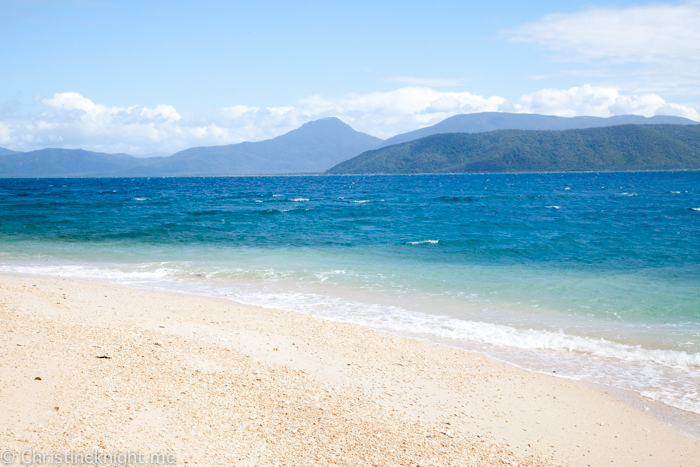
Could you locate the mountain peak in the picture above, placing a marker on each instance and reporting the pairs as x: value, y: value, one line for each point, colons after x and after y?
x: 330, y: 132
x: 324, y: 124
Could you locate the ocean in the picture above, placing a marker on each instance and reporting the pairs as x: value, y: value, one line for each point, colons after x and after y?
x: 592, y: 276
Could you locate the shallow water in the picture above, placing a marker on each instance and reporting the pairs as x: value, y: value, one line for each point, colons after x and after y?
x: 594, y: 276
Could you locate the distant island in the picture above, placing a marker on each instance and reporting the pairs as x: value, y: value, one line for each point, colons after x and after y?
x: 616, y: 148
x: 329, y: 143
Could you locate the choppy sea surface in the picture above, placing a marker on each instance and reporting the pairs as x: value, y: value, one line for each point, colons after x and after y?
x: 592, y: 276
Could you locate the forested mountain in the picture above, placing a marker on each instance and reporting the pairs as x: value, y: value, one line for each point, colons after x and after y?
x: 490, y: 121
x: 617, y: 148
x: 4, y: 151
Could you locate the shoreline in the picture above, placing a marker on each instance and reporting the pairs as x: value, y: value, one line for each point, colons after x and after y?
x: 532, y: 417
x: 685, y: 421
x: 682, y: 419
x: 590, y: 362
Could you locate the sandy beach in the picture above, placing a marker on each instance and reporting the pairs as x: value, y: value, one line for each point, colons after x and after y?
x: 214, y: 382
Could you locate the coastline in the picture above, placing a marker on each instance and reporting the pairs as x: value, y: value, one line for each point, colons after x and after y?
x: 497, y: 413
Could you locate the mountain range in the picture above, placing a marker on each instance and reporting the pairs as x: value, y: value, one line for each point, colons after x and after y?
x: 615, y: 148
x: 490, y: 121
x: 313, y: 148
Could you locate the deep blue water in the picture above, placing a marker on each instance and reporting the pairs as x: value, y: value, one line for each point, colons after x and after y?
x: 596, y: 274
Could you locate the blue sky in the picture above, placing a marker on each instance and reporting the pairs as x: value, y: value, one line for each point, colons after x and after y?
x: 148, y: 77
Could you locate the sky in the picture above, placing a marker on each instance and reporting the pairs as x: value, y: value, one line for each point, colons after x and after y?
x: 156, y: 77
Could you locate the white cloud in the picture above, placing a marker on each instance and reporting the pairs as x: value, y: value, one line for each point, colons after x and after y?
x: 601, y: 102
x: 660, y: 38
x: 74, y: 121
x: 385, y: 114
x: 658, y: 32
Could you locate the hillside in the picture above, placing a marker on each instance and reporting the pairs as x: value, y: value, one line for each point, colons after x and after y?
x: 54, y: 162
x: 314, y: 147
x: 4, y: 151
x: 617, y: 148
x: 490, y: 121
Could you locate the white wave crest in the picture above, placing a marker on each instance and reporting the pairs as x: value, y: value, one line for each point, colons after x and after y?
x: 434, y: 242
x: 94, y: 273
x: 395, y: 319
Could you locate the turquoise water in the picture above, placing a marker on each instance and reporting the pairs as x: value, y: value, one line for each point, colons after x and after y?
x: 591, y: 276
